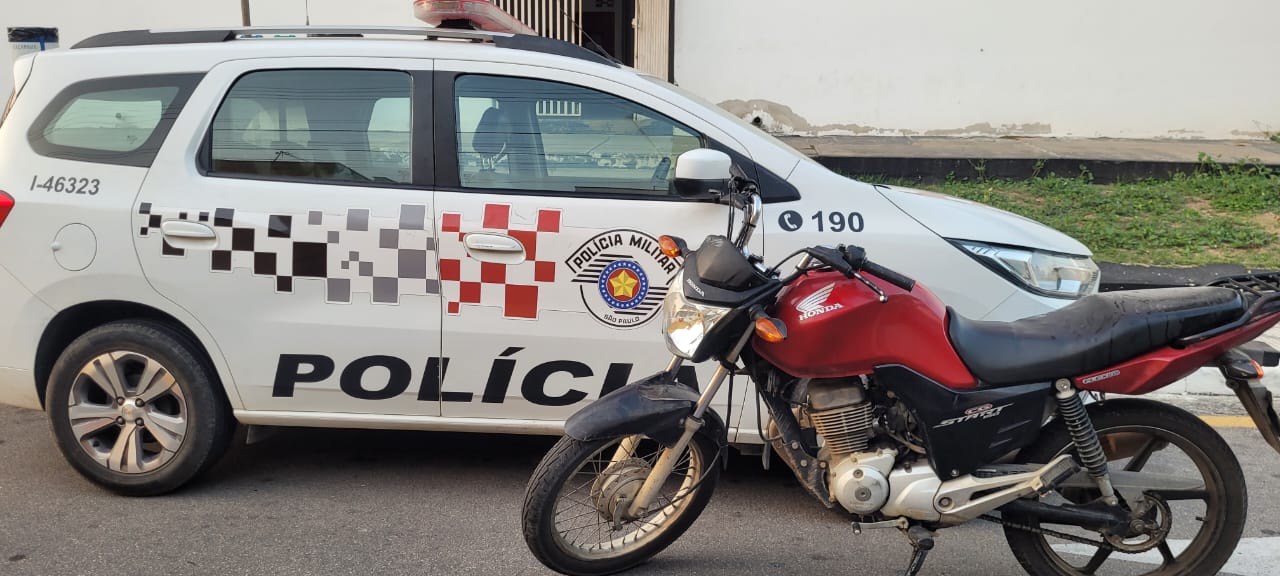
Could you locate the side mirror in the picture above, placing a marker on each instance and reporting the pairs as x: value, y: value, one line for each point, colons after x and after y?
x: 703, y: 173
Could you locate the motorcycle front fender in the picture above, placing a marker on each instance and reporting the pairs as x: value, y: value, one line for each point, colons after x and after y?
x: 655, y: 406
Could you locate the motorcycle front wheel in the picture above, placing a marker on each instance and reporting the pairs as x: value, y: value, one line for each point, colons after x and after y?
x: 1198, y: 528
x: 572, y: 516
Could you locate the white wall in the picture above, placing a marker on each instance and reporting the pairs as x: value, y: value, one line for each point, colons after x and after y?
x: 1132, y: 69
x: 1088, y: 68
x: 79, y: 19
x: 333, y: 12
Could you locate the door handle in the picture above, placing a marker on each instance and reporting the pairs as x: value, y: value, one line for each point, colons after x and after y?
x: 485, y: 242
x: 187, y: 230
x: 496, y: 248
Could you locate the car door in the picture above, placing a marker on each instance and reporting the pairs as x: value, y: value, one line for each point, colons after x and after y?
x: 552, y: 189
x: 296, y: 224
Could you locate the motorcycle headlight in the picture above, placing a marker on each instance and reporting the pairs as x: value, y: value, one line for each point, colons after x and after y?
x: 687, y: 323
x: 1044, y: 273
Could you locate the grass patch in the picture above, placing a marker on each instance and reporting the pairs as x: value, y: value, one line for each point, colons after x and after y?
x: 1219, y: 214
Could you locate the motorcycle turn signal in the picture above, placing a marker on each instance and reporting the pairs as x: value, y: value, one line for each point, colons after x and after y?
x: 771, y: 329
x: 672, y: 246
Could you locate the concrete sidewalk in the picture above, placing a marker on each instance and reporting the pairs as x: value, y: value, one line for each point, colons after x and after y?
x: 1107, y: 159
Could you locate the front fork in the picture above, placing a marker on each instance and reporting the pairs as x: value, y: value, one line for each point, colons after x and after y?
x: 670, y: 455
x: 627, y: 447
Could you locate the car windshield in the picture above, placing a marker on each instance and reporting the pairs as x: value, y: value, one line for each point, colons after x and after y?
x: 721, y: 112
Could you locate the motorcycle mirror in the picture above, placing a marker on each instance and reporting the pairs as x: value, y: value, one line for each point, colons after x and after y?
x: 703, y: 174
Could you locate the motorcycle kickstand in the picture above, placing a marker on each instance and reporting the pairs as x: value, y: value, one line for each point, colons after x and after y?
x: 921, y: 543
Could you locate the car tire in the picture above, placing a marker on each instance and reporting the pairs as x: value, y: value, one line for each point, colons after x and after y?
x: 135, y: 409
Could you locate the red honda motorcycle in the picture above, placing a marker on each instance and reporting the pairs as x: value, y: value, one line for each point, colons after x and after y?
x: 897, y: 411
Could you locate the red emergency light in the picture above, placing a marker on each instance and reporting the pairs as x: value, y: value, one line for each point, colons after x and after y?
x: 475, y: 14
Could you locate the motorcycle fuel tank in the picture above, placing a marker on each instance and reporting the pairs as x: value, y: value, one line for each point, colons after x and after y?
x: 836, y: 326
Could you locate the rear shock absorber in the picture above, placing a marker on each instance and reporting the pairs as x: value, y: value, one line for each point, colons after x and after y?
x: 1088, y: 448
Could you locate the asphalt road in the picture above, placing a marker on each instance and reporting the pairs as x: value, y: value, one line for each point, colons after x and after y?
x: 357, y: 502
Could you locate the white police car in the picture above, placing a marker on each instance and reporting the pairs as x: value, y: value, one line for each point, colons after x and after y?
x: 360, y: 228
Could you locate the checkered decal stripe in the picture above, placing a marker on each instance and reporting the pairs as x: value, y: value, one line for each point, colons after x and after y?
x: 355, y: 252
x: 515, y: 288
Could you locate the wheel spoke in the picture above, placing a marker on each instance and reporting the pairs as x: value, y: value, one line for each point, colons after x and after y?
x: 126, y: 455
x: 589, y: 482
x: 580, y: 526
x: 1178, y: 495
x: 167, y: 430
x: 1139, y: 460
x: 576, y: 516
x: 105, y: 372
x: 161, y: 382
x: 1167, y: 554
x: 86, y: 419
x: 153, y: 375
x: 1096, y: 562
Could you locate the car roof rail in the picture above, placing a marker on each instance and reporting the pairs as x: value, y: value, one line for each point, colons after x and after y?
x: 206, y: 36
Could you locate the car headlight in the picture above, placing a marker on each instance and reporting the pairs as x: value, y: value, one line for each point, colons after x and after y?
x: 1044, y: 273
x: 687, y: 323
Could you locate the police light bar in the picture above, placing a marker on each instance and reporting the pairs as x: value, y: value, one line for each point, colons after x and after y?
x: 473, y: 14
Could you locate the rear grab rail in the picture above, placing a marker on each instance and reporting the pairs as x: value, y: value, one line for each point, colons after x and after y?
x: 1263, y: 288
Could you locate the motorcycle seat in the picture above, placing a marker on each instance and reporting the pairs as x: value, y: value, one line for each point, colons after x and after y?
x: 1090, y: 334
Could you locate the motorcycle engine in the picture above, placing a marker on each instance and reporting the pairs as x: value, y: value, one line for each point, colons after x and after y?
x: 842, y: 416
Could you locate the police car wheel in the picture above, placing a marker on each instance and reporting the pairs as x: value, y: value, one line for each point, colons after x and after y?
x: 134, y: 408
x: 572, y: 515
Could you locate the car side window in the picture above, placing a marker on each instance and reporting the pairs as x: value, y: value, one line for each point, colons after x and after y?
x: 526, y: 134
x: 121, y: 120
x: 349, y: 126
x: 114, y: 120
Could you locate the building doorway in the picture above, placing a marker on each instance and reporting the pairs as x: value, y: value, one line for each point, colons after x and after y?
x: 635, y: 32
x: 608, y: 23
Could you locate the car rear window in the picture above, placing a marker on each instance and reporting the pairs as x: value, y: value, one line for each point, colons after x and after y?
x: 120, y: 120
x: 115, y: 120
x: 331, y: 125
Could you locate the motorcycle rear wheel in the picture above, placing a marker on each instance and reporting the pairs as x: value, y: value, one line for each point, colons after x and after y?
x: 1155, y: 428
x: 576, y: 485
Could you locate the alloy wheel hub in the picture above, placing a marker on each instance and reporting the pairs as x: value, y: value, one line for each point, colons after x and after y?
x: 131, y: 411
x: 127, y: 412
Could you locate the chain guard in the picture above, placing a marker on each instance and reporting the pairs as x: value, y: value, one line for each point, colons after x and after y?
x: 1047, y: 532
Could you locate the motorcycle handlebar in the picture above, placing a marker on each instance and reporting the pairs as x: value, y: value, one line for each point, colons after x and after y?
x: 849, y: 260
x: 889, y: 276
